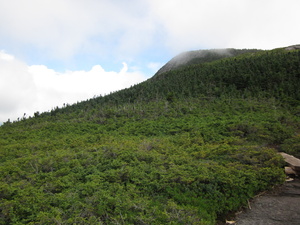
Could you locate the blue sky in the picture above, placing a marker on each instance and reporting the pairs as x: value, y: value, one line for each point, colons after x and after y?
x: 63, y: 51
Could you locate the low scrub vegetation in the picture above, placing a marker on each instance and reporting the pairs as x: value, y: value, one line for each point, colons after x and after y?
x: 185, y: 147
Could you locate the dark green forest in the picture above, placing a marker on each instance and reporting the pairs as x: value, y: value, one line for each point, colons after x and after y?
x: 187, y: 146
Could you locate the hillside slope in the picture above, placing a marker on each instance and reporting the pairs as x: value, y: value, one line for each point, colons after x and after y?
x: 185, y: 147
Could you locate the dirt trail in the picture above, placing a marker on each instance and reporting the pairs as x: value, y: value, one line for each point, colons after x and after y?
x: 280, y: 206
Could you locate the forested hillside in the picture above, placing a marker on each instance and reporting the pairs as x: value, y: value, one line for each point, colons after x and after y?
x: 187, y: 146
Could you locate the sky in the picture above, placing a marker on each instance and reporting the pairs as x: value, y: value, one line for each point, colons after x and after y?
x: 55, y: 52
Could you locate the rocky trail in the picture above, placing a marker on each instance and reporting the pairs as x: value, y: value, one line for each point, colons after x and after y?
x: 279, y: 206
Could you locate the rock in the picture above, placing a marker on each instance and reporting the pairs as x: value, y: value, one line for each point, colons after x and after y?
x: 292, y: 47
x: 289, y: 171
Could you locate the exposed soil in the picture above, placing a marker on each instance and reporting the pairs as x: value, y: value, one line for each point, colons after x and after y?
x: 280, y: 206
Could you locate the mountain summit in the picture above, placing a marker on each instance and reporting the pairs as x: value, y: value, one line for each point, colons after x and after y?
x: 201, y: 56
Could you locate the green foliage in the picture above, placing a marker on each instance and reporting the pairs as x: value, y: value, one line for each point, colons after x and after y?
x: 185, y: 147
x: 292, y: 145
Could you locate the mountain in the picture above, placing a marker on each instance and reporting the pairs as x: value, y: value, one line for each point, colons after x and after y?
x: 201, y: 56
x: 191, y: 144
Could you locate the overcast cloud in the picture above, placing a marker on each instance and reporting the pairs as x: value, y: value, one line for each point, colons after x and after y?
x: 63, y: 51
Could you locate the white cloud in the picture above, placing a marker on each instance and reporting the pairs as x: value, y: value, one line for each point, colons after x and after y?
x: 6, y: 57
x: 27, y: 89
x: 17, y: 88
x: 63, y: 28
x: 233, y: 23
